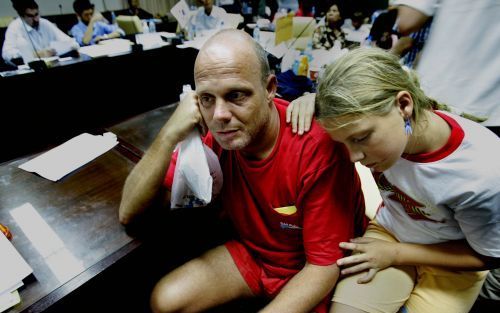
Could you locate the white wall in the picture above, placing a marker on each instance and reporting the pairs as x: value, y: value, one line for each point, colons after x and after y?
x: 51, y: 7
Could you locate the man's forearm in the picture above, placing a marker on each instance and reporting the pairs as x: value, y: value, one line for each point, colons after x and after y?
x: 305, y: 290
x: 87, y: 36
x: 144, y: 182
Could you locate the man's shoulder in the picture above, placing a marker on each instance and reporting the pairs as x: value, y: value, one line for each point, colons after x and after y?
x: 45, y: 23
x: 316, y: 136
x: 14, y: 25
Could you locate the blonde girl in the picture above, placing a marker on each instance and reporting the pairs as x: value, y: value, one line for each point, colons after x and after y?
x: 438, y: 228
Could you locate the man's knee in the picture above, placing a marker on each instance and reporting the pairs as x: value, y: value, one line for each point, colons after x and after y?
x: 166, y: 298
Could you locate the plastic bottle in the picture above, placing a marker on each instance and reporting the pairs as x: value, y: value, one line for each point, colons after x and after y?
x: 113, y: 18
x: 145, y: 27
x: 256, y: 33
x: 191, y: 32
x: 303, y: 66
x: 152, y: 26
x: 308, y: 51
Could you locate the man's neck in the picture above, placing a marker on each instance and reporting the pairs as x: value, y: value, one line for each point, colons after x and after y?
x: 208, y: 11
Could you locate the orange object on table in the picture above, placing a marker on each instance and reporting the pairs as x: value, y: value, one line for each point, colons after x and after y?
x: 5, y: 230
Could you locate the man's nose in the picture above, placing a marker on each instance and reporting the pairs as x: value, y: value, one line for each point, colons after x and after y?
x: 222, y: 111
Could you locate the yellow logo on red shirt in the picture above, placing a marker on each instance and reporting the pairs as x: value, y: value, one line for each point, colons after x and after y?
x: 286, y: 210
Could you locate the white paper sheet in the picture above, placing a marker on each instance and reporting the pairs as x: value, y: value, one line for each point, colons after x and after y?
x: 109, y: 47
x: 181, y: 12
x: 9, y: 299
x: 69, y: 156
x: 14, y: 268
x: 150, y: 41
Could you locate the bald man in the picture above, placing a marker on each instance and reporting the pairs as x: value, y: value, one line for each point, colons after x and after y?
x: 291, y: 199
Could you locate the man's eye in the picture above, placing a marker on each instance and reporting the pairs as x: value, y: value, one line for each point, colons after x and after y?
x: 206, y: 100
x: 235, y: 96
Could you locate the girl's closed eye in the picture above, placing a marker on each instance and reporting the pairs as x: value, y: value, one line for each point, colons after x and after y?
x: 360, y: 138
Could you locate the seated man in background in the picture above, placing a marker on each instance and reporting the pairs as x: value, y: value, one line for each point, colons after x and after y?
x: 290, y: 198
x: 30, y: 36
x: 92, y: 27
x: 206, y: 18
x: 135, y: 9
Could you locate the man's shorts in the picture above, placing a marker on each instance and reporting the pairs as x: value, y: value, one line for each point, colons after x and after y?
x: 261, y: 284
x: 410, y: 289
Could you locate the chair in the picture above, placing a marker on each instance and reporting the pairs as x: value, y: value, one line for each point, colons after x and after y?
x: 130, y: 24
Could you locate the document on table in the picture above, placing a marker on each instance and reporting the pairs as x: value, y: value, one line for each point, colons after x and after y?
x: 62, y: 160
x: 9, y: 299
x: 108, y: 47
x: 181, y: 13
x: 13, y: 270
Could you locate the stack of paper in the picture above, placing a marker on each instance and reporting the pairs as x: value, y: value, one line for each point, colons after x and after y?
x: 13, y: 270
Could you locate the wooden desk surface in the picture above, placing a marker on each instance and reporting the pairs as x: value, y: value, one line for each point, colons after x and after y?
x: 140, y: 131
x: 82, y: 210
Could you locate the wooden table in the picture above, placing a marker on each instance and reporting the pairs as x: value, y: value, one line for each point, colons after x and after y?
x: 82, y: 210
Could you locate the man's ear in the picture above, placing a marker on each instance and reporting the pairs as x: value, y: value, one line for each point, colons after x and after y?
x: 271, y: 87
x: 404, y: 103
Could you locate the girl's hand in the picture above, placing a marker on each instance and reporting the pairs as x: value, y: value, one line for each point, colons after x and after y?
x: 300, y: 113
x: 368, y: 254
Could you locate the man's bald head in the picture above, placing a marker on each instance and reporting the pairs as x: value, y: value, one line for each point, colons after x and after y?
x: 235, y: 45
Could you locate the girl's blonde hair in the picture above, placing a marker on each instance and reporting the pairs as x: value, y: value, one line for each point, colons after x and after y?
x: 364, y: 82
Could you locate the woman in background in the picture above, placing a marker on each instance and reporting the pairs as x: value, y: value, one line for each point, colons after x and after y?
x: 324, y: 36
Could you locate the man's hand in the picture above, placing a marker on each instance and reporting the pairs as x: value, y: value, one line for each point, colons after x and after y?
x: 368, y: 254
x: 46, y: 53
x: 300, y: 113
x: 97, y: 17
x: 98, y: 39
x: 186, y: 117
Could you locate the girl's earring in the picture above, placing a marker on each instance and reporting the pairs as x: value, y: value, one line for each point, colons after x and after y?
x: 408, y: 129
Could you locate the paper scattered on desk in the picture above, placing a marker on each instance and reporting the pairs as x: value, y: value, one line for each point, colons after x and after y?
x: 14, y: 268
x: 9, y: 299
x: 150, y: 41
x: 108, y: 47
x: 69, y: 156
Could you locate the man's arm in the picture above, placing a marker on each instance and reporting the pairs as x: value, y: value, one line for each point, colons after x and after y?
x: 305, y: 290
x: 10, y: 50
x: 410, y: 19
x: 144, y: 183
x: 89, y: 32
